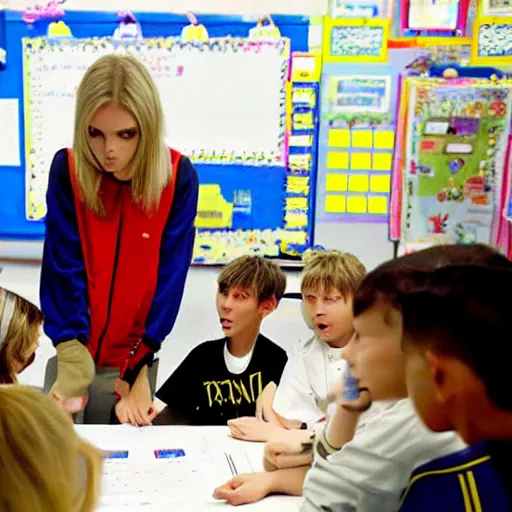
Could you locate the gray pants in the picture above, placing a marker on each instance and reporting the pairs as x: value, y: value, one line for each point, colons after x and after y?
x: 102, y: 400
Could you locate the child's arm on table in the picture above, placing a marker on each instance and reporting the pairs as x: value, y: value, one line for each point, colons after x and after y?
x: 252, y: 487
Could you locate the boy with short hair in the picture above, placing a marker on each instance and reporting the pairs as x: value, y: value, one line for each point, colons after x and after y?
x: 403, y: 300
x: 328, y: 282
x: 455, y: 380
x: 222, y: 379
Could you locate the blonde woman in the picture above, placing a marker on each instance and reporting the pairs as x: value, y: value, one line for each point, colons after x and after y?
x: 119, y: 241
x: 20, y: 329
x: 44, y: 465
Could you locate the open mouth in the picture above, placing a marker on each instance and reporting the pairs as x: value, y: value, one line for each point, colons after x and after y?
x: 226, y: 324
x: 322, y: 327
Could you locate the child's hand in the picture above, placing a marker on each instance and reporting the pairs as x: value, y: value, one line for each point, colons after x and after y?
x: 244, y: 489
x: 288, y: 454
x: 250, y: 429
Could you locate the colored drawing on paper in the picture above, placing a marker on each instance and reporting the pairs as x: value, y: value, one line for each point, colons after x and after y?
x: 456, y: 133
x: 356, y: 41
x: 360, y: 93
x: 433, y: 14
x: 495, y: 40
x: 357, y: 9
x: 493, y: 7
x: 210, y: 118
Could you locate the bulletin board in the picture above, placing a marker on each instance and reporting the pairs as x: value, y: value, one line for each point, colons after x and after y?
x: 492, y: 41
x: 248, y: 183
x: 357, y: 139
x: 208, y: 94
x: 455, y: 141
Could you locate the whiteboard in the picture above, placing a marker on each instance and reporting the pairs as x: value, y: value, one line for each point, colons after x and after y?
x: 224, y: 101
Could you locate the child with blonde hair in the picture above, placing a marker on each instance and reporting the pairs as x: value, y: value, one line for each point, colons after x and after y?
x: 20, y: 328
x: 44, y: 465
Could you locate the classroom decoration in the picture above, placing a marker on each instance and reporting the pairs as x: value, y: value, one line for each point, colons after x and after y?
x: 210, y: 125
x: 360, y: 144
x: 356, y: 40
x: 496, y: 7
x: 357, y: 8
x: 492, y: 42
x: 450, y: 181
x: 195, y: 33
x: 433, y: 18
x: 129, y: 29
x: 51, y: 10
x: 3, y: 59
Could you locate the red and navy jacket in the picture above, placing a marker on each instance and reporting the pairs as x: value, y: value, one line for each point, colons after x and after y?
x: 115, y: 282
x: 466, y: 481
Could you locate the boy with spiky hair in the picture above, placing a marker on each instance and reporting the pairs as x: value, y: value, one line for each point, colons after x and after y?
x: 222, y: 379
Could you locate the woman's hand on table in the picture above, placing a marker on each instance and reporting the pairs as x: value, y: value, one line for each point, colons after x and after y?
x: 244, y: 489
x: 136, y: 406
x: 250, y: 429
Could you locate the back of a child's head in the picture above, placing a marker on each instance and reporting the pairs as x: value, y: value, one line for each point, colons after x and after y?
x: 454, y: 300
x: 331, y: 270
x: 255, y: 274
x: 20, y: 326
x: 44, y: 465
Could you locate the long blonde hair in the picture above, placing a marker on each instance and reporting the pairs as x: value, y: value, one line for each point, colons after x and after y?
x: 44, y: 465
x: 124, y: 81
x: 20, y: 328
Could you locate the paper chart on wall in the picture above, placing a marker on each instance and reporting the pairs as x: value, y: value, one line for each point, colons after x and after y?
x: 224, y: 102
x: 455, y: 154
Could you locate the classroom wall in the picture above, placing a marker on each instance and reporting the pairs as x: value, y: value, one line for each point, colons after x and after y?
x: 305, y: 7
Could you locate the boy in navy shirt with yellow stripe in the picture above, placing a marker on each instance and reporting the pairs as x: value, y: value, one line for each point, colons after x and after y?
x: 455, y: 312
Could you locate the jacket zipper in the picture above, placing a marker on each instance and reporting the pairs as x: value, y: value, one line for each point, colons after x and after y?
x: 111, y: 295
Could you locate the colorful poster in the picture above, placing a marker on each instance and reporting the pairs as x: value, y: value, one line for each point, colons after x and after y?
x: 360, y: 93
x: 493, y: 44
x: 496, y: 7
x: 455, y: 143
x: 433, y: 14
x: 356, y: 40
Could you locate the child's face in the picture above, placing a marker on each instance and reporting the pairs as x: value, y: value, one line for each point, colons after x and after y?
x: 239, y: 311
x: 441, y: 389
x: 374, y: 352
x: 330, y: 315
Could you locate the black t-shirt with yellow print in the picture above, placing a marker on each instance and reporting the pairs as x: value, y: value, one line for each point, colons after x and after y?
x: 202, y: 391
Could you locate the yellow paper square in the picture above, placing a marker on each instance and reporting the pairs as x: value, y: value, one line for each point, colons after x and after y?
x: 339, y: 139
x: 380, y: 183
x: 358, y: 183
x: 361, y: 161
x: 356, y: 204
x: 378, y: 205
x: 384, y: 140
x: 382, y: 161
x: 337, y: 160
x: 336, y: 183
x: 362, y: 139
x: 296, y: 203
x: 335, y: 204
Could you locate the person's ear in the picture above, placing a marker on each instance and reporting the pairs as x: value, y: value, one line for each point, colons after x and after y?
x: 267, y: 306
x: 437, y: 366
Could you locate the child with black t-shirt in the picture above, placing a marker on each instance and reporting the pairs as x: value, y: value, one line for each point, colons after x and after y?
x: 222, y: 379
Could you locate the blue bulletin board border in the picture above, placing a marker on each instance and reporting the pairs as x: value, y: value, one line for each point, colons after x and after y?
x: 13, y: 223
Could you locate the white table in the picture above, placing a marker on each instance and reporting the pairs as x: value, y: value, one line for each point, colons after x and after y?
x: 179, y: 485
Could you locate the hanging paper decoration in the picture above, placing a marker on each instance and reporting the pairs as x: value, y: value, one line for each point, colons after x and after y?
x: 129, y: 28
x: 50, y: 11
x: 265, y: 30
x: 195, y: 33
x: 58, y: 29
